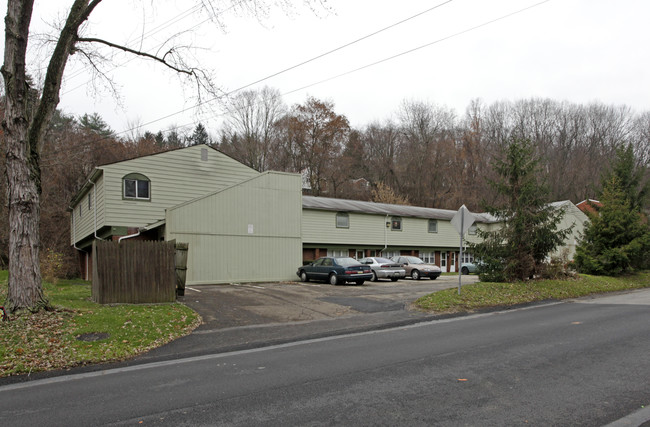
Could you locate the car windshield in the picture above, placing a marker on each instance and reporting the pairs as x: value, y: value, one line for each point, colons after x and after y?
x: 346, y: 262
x: 383, y: 260
x: 414, y: 260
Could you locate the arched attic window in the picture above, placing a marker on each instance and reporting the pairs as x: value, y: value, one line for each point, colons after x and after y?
x: 136, y: 186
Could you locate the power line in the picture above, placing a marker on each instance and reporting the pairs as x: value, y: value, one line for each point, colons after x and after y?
x: 467, y: 30
x: 302, y: 63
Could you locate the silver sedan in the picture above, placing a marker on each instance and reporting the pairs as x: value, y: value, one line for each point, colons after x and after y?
x: 383, y: 268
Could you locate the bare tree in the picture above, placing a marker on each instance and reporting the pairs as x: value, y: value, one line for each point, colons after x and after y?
x: 248, y: 133
x: 28, y: 115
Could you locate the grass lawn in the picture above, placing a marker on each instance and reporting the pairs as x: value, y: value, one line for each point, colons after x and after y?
x: 48, y: 340
x: 484, y: 294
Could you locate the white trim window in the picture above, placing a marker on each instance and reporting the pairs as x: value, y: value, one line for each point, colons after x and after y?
x: 342, y: 220
x: 428, y: 257
x: 467, y: 257
x: 136, y: 186
x: 433, y: 226
x: 396, y: 223
x: 337, y: 253
x: 389, y: 254
x: 472, y: 230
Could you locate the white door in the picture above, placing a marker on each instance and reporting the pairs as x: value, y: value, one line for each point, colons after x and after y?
x: 452, y: 267
x: 443, y: 261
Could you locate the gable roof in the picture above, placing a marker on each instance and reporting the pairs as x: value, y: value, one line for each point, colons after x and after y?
x: 344, y: 205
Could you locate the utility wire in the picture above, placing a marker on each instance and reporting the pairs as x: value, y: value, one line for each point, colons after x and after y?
x: 301, y: 63
x: 467, y: 30
x: 418, y: 48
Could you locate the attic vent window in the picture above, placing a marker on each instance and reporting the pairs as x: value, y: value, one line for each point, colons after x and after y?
x: 136, y: 186
x: 204, y: 154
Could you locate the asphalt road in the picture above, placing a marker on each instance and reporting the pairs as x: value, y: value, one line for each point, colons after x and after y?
x: 228, y: 306
x: 573, y: 363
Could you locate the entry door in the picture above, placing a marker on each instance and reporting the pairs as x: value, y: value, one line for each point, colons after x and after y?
x: 452, y: 267
x: 443, y: 261
x: 360, y: 254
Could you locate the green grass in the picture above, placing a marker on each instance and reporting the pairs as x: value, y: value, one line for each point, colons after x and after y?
x: 48, y: 339
x: 483, y: 295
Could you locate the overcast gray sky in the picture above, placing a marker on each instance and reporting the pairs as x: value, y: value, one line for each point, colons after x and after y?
x: 574, y: 50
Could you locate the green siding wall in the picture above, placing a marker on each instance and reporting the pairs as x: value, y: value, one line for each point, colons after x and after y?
x: 85, y: 223
x: 246, y: 233
x: 319, y: 227
x: 176, y: 176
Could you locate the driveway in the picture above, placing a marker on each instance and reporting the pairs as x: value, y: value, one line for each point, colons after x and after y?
x: 234, y: 305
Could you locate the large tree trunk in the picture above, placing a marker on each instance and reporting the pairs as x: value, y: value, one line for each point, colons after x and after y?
x: 22, y: 172
x: 26, y: 120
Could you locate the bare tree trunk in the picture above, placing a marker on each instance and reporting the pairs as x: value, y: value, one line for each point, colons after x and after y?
x: 22, y: 172
x: 24, y: 128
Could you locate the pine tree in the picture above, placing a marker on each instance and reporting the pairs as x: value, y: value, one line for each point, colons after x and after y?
x: 199, y: 136
x: 616, y: 240
x: 530, y: 225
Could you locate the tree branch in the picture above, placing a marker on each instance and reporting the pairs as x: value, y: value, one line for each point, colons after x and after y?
x: 138, y: 53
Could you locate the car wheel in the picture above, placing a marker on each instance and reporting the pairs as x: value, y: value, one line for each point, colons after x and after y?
x: 393, y: 279
x: 464, y: 270
x: 415, y: 275
x: 333, y: 279
x: 359, y: 282
x: 303, y: 277
x: 374, y: 277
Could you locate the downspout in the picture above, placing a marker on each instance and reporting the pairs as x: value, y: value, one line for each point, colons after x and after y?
x: 385, y: 235
x: 95, y: 210
x: 128, y: 236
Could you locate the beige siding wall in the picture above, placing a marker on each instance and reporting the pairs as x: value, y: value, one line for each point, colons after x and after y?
x: 89, y: 218
x: 246, y: 233
x: 575, y: 218
x: 319, y: 227
x: 176, y: 176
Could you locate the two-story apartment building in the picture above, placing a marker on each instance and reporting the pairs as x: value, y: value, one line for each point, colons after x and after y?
x: 246, y: 226
x: 356, y: 228
x: 227, y: 211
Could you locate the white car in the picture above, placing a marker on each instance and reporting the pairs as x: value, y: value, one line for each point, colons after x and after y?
x: 383, y: 268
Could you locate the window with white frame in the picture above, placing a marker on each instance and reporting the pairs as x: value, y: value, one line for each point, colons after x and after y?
x: 389, y: 254
x: 428, y: 257
x: 342, y: 220
x: 136, y: 186
x: 433, y: 226
x: 467, y: 257
x: 472, y: 230
x: 396, y: 223
x: 336, y: 253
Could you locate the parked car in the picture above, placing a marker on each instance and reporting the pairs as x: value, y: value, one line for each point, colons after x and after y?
x: 336, y: 271
x: 468, y: 267
x: 383, y: 268
x: 416, y: 268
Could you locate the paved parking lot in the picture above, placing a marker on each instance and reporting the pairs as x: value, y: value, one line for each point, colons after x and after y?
x: 233, y: 305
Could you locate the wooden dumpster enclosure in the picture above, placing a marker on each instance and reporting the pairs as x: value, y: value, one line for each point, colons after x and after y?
x: 134, y: 272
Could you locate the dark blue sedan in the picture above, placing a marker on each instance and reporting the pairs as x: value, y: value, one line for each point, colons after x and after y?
x: 336, y: 271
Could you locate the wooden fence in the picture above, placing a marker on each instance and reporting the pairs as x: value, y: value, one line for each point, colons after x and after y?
x: 133, y: 272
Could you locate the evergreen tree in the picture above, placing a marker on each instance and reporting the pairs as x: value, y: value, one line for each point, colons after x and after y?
x: 630, y: 177
x: 530, y: 225
x: 94, y: 123
x: 616, y: 239
x: 199, y: 136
